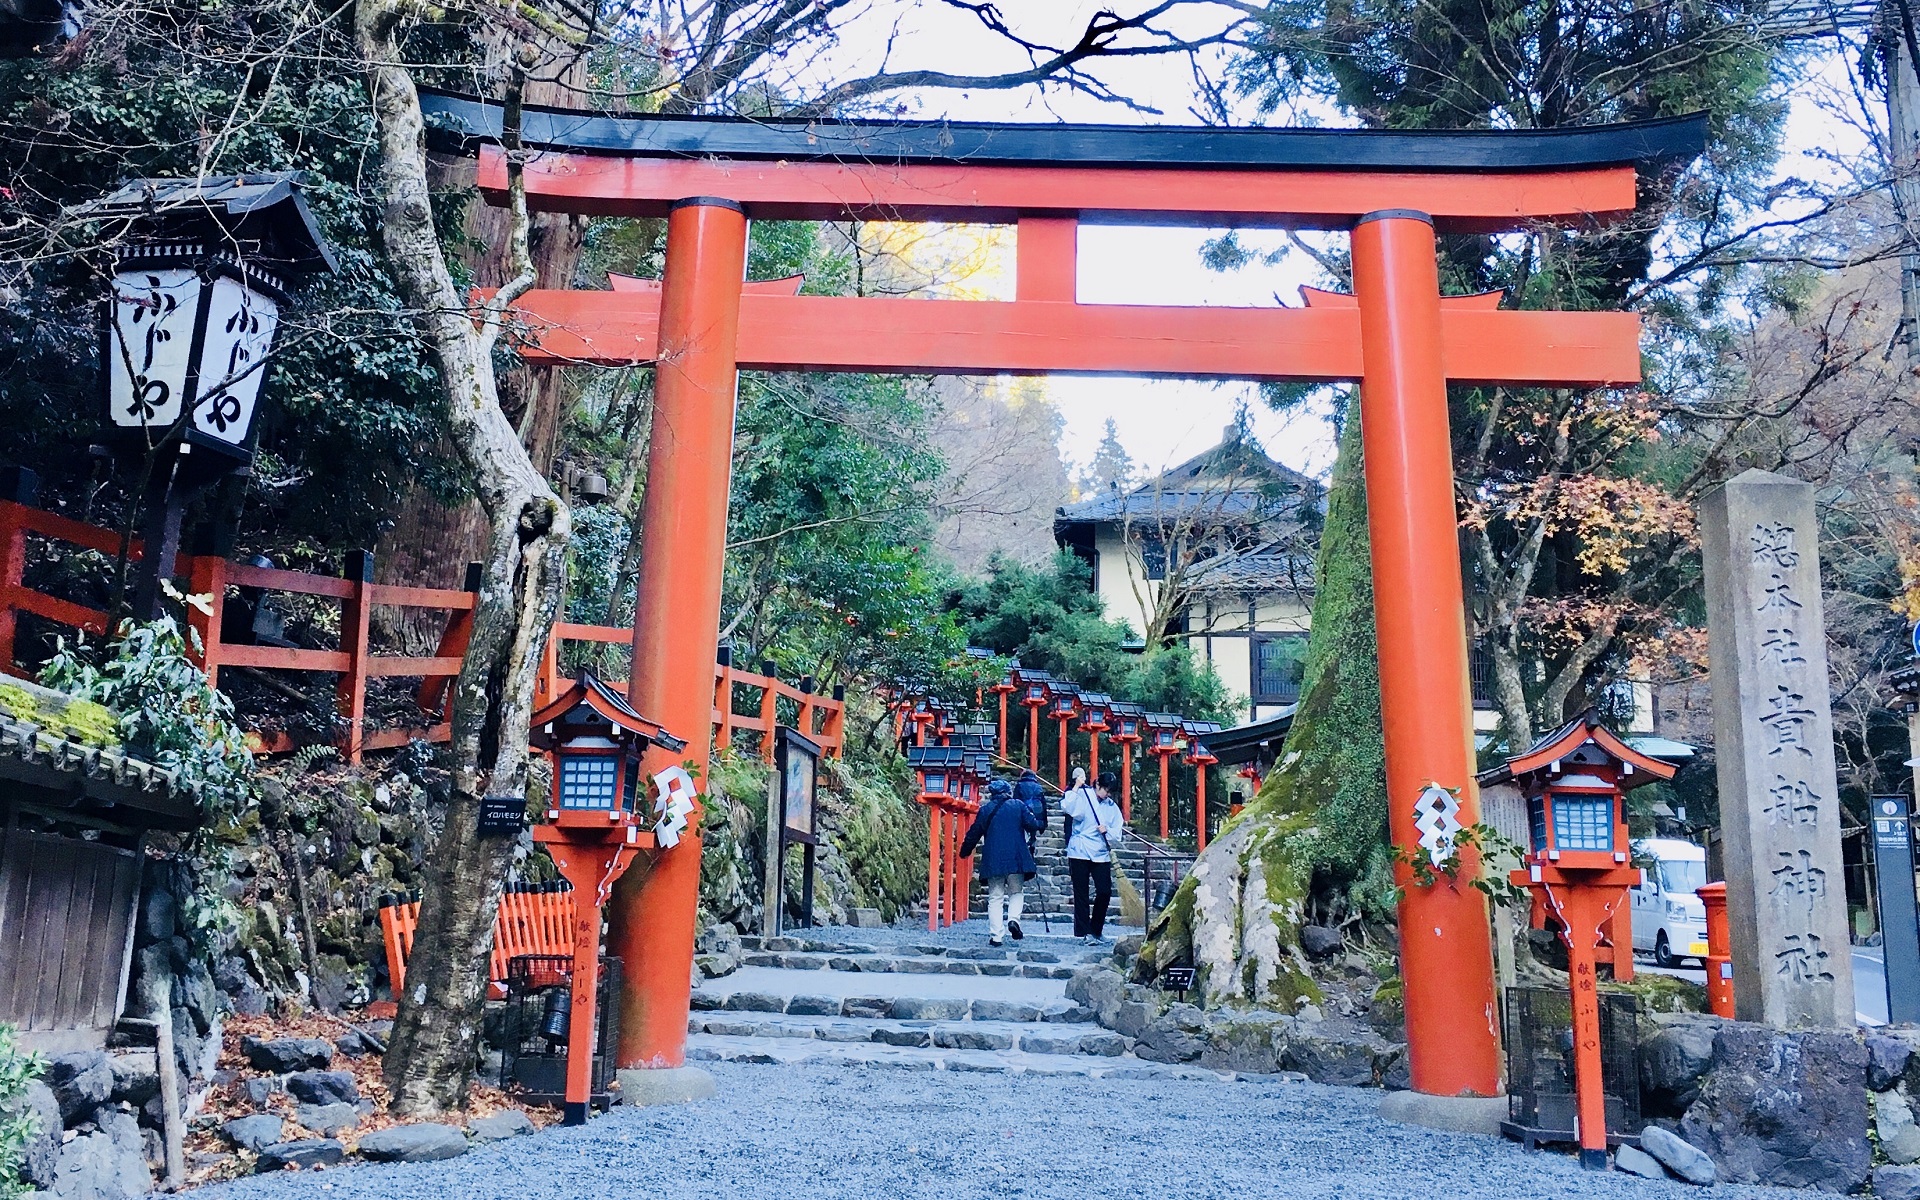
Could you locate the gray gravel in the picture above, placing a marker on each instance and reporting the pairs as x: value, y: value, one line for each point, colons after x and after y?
x: 848, y: 1133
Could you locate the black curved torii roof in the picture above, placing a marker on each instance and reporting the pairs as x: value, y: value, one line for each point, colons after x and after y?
x: 464, y: 121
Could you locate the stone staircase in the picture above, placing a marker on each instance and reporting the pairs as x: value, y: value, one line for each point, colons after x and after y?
x: 1053, y: 887
x: 916, y: 1001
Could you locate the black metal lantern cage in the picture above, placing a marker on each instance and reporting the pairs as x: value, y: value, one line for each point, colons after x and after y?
x: 1540, y: 1068
x: 533, y: 1052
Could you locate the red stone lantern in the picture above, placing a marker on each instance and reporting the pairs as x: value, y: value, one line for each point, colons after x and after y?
x: 1574, y: 780
x: 1129, y: 724
x: 1199, y: 758
x: 1163, y: 742
x: 592, y: 830
x: 1063, y: 706
x: 1094, y: 707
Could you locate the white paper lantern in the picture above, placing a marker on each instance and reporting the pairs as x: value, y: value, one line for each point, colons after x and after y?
x: 188, y: 334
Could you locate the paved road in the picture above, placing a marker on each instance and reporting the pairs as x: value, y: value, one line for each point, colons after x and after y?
x: 850, y: 1133
x: 1870, y: 985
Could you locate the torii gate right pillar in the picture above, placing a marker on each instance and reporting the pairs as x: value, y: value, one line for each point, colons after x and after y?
x: 1446, y: 954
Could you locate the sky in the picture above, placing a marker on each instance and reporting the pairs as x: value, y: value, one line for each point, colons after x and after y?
x: 1161, y: 422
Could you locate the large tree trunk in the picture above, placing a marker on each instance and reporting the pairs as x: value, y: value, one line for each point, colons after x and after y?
x: 430, y: 1060
x: 431, y: 541
x: 1321, y: 811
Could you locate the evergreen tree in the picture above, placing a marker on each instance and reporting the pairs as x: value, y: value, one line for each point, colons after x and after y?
x: 1112, y: 466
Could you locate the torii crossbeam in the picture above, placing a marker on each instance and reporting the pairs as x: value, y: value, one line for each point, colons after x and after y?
x: 1395, y: 335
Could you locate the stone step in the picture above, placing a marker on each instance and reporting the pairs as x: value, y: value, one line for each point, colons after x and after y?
x: 706, y: 1047
x: 714, y: 997
x: 813, y: 946
x: 1034, y: 1037
x: 911, y: 964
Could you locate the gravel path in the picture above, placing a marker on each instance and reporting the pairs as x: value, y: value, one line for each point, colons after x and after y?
x: 848, y: 1133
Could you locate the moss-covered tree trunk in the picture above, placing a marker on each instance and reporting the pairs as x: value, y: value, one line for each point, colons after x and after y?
x: 1321, y: 810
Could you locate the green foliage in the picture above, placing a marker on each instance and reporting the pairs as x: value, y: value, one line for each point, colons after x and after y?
x: 1051, y: 619
x: 881, y: 835
x: 1662, y: 993
x: 1492, y: 847
x: 875, y: 843
x: 18, y: 1127
x: 349, y: 413
x: 599, y: 537
x: 171, y: 716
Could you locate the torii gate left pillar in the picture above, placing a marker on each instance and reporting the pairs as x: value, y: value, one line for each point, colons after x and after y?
x: 676, y: 614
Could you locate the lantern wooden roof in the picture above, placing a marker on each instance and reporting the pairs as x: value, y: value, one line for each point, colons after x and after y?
x: 266, y: 213
x: 1562, y: 742
x: 587, y: 691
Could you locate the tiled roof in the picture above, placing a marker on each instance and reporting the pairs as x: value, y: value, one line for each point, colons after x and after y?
x: 1233, y: 479
x: 40, y: 751
x: 1271, y: 567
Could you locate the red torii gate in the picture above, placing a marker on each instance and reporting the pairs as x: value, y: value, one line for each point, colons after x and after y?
x: 1395, y: 335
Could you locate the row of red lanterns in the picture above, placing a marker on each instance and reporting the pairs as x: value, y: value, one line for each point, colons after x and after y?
x: 1164, y: 735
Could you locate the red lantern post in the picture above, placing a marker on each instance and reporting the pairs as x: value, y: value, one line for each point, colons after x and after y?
x: 941, y: 771
x: 1035, y: 692
x: 1200, y: 758
x: 1001, y: 690
x: 1127, y: 720
x: 1719, y: 950
x: 1574, y: 780
x: 1164, y: 731
x: 1094, y: 708
x: 1066, y: 706
x: 592, y: 831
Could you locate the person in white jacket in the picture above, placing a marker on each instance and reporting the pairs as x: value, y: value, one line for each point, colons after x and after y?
x: 1092, y: 837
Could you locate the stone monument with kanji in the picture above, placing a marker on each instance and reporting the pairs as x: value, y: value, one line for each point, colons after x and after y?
x: 1773, y: 741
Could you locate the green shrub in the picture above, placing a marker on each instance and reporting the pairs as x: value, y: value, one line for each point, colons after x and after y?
x: 169, y: 714
x: 18, y: 1068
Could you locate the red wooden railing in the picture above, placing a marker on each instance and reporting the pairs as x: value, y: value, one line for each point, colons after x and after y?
x: 355, y: 661
x: 530, y: 919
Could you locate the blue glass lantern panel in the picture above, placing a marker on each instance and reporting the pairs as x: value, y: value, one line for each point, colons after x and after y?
x: 1537, y: 825
x: 1582, y: 822
x: 936, y: 783
x: 588, y: 781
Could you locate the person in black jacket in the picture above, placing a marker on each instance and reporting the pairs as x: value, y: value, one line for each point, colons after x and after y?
x: 999, y: 833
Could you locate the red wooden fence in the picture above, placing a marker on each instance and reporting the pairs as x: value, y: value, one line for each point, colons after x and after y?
x: 355, y: 661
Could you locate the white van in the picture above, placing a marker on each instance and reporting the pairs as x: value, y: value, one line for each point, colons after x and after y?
x: 1668, y: 917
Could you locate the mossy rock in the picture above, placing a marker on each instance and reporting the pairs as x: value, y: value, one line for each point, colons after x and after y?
x: 1663, y: 993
